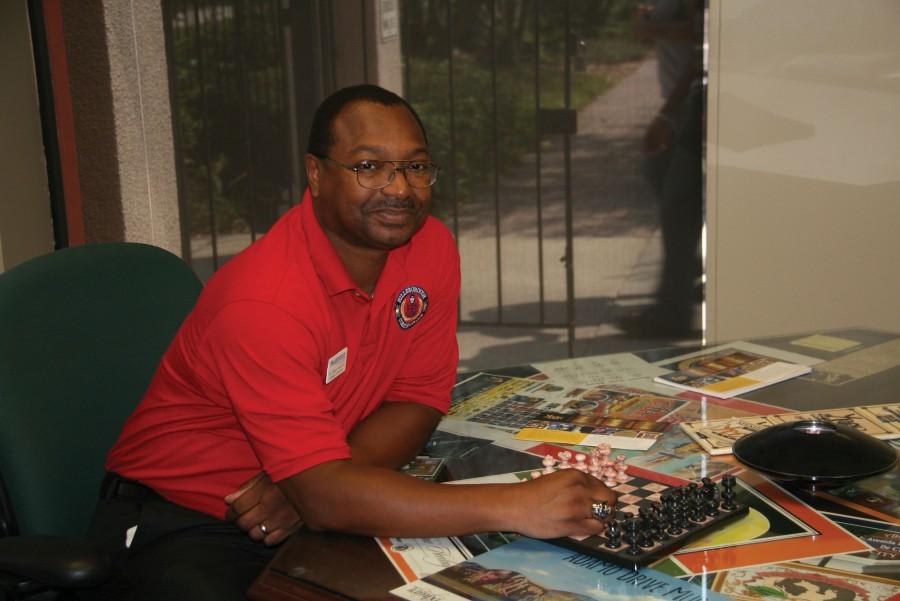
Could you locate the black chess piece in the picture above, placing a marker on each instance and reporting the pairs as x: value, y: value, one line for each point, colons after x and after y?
x: 631, y: 535
x: 709, y: 489
x: 660, y: 524
x: 645, y: 537
x: 674, y: 528
x: 698, y: 511
x: 728, y: 483
x: 613, y: 534
x: 712, y: 507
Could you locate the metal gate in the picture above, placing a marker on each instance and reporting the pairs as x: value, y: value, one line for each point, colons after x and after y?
x: 535, y: 110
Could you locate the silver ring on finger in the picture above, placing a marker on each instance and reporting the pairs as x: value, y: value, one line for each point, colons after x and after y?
x: 263, y: 528
x: 600, y: 510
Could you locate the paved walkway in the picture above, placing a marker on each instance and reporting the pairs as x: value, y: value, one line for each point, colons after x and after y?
x: 616, y: 240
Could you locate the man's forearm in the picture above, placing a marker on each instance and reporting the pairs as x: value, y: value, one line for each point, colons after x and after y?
x: 348, y: 497
x: 393, y: 434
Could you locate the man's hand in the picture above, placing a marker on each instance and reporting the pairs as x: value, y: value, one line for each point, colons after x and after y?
x: 260, y: 509
x: 559, y: 504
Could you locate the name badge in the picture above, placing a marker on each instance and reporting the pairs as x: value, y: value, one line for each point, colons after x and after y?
x: 336, y: 365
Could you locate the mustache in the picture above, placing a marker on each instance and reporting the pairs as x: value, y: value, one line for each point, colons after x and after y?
x: 404, y: 204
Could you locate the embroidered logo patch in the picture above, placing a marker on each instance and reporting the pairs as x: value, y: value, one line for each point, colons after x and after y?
x: 411, y: 304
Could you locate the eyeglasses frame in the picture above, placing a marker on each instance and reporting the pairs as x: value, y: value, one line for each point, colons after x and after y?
x: 355, y: 169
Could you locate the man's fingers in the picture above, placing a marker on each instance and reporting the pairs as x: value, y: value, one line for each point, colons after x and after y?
x: 249, y: 520
x: 278, y: 536
x: 233, y: 496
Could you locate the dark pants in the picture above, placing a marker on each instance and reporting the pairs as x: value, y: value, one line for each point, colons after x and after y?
x: 176, y: 553
x: 677, y: 177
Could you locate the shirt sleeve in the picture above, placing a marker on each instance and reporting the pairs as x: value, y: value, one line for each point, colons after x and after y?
x: 268, y: 365
x: 429, y: 372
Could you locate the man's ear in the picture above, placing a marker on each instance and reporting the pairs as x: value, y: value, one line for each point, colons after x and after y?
x: 312, y: 174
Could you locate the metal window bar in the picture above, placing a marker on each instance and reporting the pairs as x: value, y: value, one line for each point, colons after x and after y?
x: 567, y: 170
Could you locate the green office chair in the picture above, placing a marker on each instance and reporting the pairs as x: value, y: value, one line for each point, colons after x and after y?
x: 81, y: 333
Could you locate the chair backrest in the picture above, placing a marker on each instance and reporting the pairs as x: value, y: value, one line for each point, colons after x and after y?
x: 81, y: 333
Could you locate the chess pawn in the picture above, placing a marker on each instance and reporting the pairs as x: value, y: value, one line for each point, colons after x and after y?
x: 564, y: 457
x: 708, y: 489
x: 621, y: 476
x: 549, y: 462
x: 580, y: 464
x: 728, y: 493
x: 712, y: 507
x: 631, y: 535
x: 535, y: 474
x: 613, y: 534
x: 609, y: 477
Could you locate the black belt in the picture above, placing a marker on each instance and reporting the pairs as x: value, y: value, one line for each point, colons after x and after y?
x: 115, y: 486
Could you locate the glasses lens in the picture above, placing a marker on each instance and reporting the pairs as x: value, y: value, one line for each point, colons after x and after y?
x: 421, y: 174
x: 374, y: 174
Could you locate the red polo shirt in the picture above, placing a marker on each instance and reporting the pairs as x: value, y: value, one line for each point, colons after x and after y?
x: 253, y: 380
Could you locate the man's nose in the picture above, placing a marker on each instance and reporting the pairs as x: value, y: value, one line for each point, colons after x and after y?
x: 398, y: 187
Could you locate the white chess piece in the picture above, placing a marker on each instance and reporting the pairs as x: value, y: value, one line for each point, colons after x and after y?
x: 549, y: 462
x: 580, y: 464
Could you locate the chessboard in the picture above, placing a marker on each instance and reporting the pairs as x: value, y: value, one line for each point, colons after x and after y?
x: 651, y: 519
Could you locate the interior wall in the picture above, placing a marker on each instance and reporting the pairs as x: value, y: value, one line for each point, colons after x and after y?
x: 803, y: 167
x: 25, y: 226
x: 123, y: 126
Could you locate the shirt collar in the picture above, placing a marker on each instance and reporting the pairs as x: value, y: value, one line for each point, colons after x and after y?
x: 330, y: 268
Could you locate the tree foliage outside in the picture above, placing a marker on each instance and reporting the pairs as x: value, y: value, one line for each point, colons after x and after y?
x: 498, y: 72
x: 230, y: 111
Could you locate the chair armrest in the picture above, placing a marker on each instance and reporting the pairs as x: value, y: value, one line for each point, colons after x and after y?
x: 66, y: 563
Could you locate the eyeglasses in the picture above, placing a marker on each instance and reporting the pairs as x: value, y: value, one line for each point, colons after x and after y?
x: 375, y: 175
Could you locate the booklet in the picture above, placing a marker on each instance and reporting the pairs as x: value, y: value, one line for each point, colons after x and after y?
x: 531, y: 570
x: 592, y: 430
x: 729, y: 372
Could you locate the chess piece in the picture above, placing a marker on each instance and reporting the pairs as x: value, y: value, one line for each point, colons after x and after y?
x: 674, y: 528
x: 549, y: 462
x: 645, y: 537
x: 580, y: 464
x: 660, y: 525
x: 594, y: 467
x: 631, y: 535
x: 712, y: 507
x: 564, y: 457
x: 609, y: 477
x: 728, y: 493
x: 710, y: 490
x: 613, y: 534
x: 535, y: 474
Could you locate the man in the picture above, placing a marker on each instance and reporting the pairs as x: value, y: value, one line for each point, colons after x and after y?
x: 672, y: 164
x: 319, y: 359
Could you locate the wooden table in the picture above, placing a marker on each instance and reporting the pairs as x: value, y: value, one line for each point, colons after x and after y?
x: 328, y: 566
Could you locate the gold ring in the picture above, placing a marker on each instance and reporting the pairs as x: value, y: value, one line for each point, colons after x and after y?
x: 600, y: 510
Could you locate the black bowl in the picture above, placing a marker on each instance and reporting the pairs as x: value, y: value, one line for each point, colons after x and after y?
x: 814, y: 453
